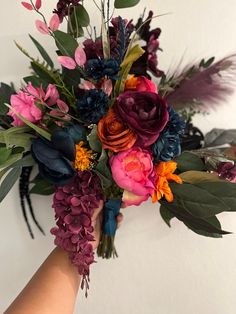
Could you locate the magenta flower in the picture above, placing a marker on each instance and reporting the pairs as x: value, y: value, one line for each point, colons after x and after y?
x: 24, y: 104
x: 227, y: 170
x: 76, y: 223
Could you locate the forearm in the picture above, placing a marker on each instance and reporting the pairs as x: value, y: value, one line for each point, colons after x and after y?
x: 53, y: 289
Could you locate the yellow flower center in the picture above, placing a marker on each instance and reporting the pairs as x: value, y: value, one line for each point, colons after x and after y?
x: 84, y: 157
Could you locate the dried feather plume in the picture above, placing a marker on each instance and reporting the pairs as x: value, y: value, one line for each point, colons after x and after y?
x: 207, y: 84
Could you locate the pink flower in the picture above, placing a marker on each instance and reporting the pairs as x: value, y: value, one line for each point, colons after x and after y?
x: 36, y: 92
x: 132, y: 170
x: 24, y: 104
x: 79, y: 59
x: 52, y: 95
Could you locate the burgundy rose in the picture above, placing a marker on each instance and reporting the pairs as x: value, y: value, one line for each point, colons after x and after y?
x: 145, y: 114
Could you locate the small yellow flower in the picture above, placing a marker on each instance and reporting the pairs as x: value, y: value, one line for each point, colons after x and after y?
x: 84, y: 157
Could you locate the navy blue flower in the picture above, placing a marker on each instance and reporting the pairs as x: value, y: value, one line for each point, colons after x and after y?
x: 54, y: 157
x: 168, y: 145
x: 99, y: 68
x: 93, y: 106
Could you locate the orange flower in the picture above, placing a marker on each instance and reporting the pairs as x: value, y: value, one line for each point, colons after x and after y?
x: 114, y: 135
x: 165, y: 172
x: 131, y: 83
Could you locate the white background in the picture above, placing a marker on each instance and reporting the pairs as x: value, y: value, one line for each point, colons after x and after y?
x: 159, y: 270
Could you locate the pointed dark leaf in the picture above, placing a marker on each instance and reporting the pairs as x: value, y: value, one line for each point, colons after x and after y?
x: 42, y: 51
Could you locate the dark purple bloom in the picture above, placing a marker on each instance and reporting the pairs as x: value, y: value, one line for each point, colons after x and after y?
x: 227, y: 170
x: 144, y: 113
x: 75, y: 223
x: 62, y: 9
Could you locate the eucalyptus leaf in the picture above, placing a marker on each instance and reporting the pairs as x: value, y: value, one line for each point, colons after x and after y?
x: 8, y: 182
x: 4, y: 154
x: 79, y: 17
x: 121, y: 4
x: 94, y: 141
x: 17, y: 136
x: 103, y: 171
x: 65, y: 43
x: 42, y: 51
x: 10, y: 161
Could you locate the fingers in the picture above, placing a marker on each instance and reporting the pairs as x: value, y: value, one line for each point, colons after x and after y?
x: 97, y: 211
x: 119, y: 219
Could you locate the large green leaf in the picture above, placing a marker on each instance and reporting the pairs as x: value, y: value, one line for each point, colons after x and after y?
x: 103, y: 171
x: 188, y: 161
x: 198, y: 200
x: 199, y: 176
x: 5, y: 153
x: 121, y: 4
x: 223, y: 191
x: 42, y: 51
x: 208, y: 226
x: 65, y: 43
x: 166, y: 215
x: 8, y: 182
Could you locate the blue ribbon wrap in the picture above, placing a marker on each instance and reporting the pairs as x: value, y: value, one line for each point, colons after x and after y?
x: 110, y: 211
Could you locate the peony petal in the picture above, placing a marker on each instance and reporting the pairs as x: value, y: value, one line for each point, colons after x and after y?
x: 54, y: 23
x: 67, y: 62
x: 130, y: 199
x: 80, y: 56
x: 27, y: 5
x: 42, y: 27
x: 38, y: 4
x: 107, y: 87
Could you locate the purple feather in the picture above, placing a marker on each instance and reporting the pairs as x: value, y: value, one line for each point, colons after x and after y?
x: 207, y: 87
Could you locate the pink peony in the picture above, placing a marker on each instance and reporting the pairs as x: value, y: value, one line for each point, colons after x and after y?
x: 132, y: 170
x: 24, y: 104
x: 52, y: 95
x: 140, y: 84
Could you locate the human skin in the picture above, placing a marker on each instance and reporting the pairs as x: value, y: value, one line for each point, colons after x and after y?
x: 53, y: 288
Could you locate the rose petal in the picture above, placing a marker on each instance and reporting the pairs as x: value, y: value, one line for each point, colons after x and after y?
x: 80, y: 56
x: 27, y: 5
x: 54, y: 23
x: 42, y: 27
x: 130, y: 199
x: 38, y: 4
x: 67, y: 62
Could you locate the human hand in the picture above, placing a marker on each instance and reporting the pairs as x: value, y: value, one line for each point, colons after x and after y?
x: 97, y: 224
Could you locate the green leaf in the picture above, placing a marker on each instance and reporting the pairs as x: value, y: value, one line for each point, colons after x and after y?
x: 224, y: 191
x: 71, y: 77
x: 199, y: 176
x: 42, y: 51
x: 197, y: 200
x: 11, y: 160
x: 78, y: 18
x: 121, y: 4
x: 94, y: 141
x: 8, y: 182
x: 17, y: 136
x: 5, y: 153
x: 103, y: 171
x: 40, y: 131
x: 208, y: 226
x: 17, y: 161
x: 36, y: 81
x: 5, y: 94
x: 188, y: 161
x: 42, y: 72
x: 65, y: 43
x: 42, y: 187
x: 166, y: 215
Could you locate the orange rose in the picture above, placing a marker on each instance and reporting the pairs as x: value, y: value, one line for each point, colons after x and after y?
x: 114, y: 135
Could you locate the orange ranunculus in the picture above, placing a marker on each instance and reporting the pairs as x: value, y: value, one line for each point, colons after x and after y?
x: 165, y: 172
x: 113, y: 134
x: 140, y: 84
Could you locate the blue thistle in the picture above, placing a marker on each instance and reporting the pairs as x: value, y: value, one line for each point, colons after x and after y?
x: 168, y: 145
x: 93, y: 106
x: 99, y: 68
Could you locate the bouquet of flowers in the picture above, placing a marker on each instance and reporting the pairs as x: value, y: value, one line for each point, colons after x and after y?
x: 99, y: 130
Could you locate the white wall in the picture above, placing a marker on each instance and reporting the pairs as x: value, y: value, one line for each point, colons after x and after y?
x: 160, y: 270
